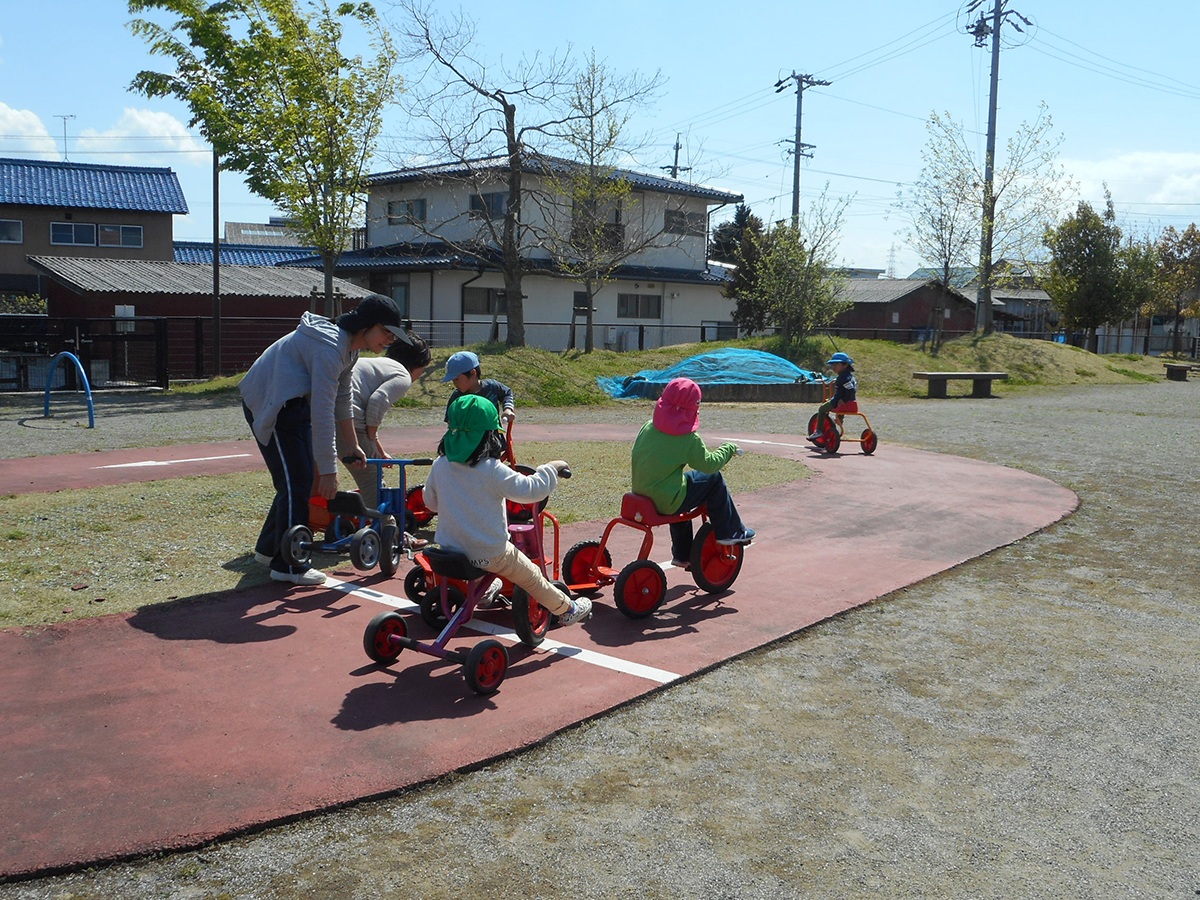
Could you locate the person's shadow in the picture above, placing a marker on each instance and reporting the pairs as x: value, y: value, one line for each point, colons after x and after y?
x: 245, y: 615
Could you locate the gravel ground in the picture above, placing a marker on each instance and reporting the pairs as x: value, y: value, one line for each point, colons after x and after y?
x: 1023, y: 726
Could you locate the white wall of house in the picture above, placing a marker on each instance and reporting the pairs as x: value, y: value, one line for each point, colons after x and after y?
x: 447, y: 205
x: 684, y: 307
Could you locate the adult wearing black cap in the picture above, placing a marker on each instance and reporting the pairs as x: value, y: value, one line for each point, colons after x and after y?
x: 296, y: 398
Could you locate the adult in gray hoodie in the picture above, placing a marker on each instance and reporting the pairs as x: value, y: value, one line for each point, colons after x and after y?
x: 296, y: 398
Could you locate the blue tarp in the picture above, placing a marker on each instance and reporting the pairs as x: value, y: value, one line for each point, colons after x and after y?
x: 726, y: 366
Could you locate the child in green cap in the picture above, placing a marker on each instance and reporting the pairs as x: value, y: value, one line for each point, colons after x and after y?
x: 468, y: 486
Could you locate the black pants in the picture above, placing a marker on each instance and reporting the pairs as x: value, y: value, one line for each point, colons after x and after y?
x: 289, y: 459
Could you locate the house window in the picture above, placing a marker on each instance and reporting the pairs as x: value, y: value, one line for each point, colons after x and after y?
x: 479, y: 301
x: 405, y: 212
x: 489, y: 206
x: 78, y: 233
x: 120, y: 235
x: 10, y: 231
x: 398, y: 291
x: 895, y: 318
x: 693, y: 224
x: 639, y: 306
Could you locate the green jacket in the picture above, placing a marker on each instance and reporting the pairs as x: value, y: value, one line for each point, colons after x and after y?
x: 659, y: 460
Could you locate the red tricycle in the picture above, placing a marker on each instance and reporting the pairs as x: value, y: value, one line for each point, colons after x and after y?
x: 448, y: 590
x: 641, y: 586
x: 834, y: 433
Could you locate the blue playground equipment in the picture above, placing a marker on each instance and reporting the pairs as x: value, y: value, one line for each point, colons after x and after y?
x: 87, y: 388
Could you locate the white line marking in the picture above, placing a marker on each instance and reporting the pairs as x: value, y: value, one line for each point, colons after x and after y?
x: 603, y: 660
x: 169, y: 462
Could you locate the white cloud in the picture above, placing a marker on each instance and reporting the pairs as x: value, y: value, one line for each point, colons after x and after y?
x: 26, y: 135
x: 1143, y: 177
x: 144, y: 137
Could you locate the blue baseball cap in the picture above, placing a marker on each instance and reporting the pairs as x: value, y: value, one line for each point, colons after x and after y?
x: 459, y: 364
x: 839, y: 357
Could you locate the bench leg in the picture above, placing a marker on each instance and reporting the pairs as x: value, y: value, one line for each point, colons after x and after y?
x: 937, y: 388
x: 981, y: 387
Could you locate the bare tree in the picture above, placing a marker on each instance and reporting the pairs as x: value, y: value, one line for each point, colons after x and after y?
x: 470, y: 117
x: 588, y: 205
x: 945, y: 205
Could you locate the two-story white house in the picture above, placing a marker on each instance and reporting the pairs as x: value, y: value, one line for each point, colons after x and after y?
x: 421, y: 221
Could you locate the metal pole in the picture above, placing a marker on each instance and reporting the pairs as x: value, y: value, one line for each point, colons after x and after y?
x: 983, y: 308
x: 796, y: 157
x: 216, y: 254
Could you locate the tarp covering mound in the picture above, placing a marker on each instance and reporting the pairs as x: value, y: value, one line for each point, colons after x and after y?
x: 725, y: 366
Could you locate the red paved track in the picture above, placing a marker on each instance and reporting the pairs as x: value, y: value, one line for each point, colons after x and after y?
x: 164, y: 729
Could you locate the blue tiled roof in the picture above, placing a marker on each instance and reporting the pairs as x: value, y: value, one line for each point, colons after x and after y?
x: 39, y: 182
x: 240, y: 254
x: 436, y: 255
x: 552, y: 164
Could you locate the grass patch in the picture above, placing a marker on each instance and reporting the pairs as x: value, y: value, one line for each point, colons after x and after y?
x: 76, y: 554
x: 884, y: 368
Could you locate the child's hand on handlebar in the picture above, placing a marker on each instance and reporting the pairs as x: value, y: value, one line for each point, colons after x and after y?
x: 559, y: 465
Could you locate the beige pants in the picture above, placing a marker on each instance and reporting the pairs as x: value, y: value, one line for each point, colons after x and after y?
x: 520, y: 570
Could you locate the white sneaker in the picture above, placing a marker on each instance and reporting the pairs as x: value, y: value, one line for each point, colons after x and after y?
x: 581, y: 609
x: 491, y: 597
x: 262, y: 559
x: 312, y: 576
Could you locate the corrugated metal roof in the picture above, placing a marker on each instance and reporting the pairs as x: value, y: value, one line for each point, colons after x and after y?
x: 239, y: 254
x: 156, y: 277
x: 39, y: 182
x: 544, y: 164
x: 886, y: 290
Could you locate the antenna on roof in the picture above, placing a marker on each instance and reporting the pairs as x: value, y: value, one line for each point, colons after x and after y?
x: 64, y: 118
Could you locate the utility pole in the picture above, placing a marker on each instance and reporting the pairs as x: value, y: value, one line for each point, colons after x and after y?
x: 674, y: 169
x: 216, y: 271
x: 802, y: 82
x: 64, y: 118
x: 981, y: 31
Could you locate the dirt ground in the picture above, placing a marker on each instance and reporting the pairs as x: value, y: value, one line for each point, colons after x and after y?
x: 1023, y: 726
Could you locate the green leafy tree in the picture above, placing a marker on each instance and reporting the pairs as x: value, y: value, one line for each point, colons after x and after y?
x: 797, y: 286
x: 1179, y: 253
x: 273, y: 90
x: 728, y: 238
x: 1083, y: 276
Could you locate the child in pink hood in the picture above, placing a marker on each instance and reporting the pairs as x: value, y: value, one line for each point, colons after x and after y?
x: 666, y: 446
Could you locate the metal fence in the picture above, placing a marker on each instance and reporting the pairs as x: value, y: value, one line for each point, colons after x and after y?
x: 114, y: 352
x: 136, y: 352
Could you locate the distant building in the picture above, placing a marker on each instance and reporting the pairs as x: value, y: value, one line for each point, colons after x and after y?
x: 275, y: 233
x: 83, y: 210
x: 902, y: 309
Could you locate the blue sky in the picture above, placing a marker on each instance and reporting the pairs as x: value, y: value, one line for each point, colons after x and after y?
x: 1118, y: 79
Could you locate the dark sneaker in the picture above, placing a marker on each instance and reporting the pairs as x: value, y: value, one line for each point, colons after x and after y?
x: 581, y: 609
x: 816, y: 435
x: 681, y: 564
x: 745, y: 537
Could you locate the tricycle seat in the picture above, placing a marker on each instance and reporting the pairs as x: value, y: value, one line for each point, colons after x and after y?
x: 845, y: 409
x: 350, y: 503
x: 639, y: 508
x: 452, y: 564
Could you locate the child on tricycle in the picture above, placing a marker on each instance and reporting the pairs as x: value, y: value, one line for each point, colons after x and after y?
x: 468, y: 486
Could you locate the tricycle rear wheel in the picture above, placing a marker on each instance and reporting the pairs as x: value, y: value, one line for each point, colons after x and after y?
x: 296, y: 547
x: 486, y: 666
x: 376, y: 639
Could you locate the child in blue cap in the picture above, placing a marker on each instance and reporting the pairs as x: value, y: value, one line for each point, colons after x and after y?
x: 468, y: 486
x: 463, y: 369
x: 845, y: 390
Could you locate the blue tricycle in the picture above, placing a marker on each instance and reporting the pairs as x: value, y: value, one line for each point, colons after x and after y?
x: 350, y: 525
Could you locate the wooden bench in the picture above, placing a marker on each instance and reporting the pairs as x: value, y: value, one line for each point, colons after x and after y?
x: 981, y: 381
x: 1178, y: 371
